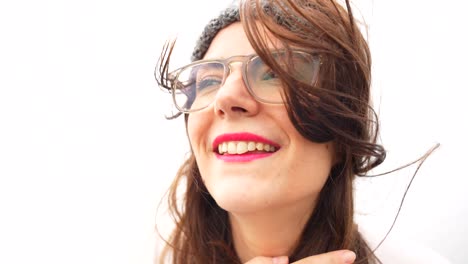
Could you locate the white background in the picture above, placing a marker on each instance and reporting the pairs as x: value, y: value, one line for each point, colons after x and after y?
x: 86, y: 154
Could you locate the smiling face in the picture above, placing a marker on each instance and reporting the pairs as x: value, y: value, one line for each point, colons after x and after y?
x: 250, y: 155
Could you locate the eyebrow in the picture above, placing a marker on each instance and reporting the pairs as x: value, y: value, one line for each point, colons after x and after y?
x: 227, y: 57
x: 216, y: 58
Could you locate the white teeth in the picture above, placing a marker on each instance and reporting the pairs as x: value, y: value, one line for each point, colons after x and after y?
x: 259, y: 146
x: 251, y: 146
x: 241, y: 147
x: 232, y: 149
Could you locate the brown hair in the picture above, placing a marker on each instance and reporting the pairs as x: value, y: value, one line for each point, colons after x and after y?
x: 335, y: 108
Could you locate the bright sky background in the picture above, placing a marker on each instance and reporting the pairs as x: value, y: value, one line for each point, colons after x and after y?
x: 86, y: 154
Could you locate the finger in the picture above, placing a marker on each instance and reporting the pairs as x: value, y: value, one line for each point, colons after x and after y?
x: 266, y: 260
x: 334, y: 257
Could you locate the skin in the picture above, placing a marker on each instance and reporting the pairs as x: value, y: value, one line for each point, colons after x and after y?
x: 268, y: 200
x: 334, y: 257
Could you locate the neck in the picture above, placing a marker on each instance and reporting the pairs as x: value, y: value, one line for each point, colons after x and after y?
x: 269, y: 233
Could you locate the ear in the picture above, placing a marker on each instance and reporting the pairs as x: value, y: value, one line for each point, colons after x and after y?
x: 336, y: 157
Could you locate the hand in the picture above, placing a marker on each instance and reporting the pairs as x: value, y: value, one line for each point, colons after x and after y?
x: 333, y: 257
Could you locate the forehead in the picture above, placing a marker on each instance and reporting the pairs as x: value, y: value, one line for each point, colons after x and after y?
x: 230, y: 41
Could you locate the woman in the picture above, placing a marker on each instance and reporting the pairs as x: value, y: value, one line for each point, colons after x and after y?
x: 276, y: 104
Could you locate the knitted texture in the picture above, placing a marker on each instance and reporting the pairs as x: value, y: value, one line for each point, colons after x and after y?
x: 231, y: 15
x: 226, y: 18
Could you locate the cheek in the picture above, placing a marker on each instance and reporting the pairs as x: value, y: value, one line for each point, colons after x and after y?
x: 190, y: 129
x: 311, y: 165
x: 197, y: 130
x: 194, y: 131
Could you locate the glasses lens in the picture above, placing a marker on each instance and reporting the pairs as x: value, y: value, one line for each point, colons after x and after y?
x: 266, y: 84
x: 197, y: 84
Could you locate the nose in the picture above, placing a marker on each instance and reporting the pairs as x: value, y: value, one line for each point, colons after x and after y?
x: 233, y: 98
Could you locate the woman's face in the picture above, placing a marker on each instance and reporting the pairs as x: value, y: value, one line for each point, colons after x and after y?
x: 292, y: 174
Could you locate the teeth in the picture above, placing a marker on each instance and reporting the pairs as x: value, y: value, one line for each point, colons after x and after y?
x: 232, y: 148
x: 241, y: 147
x: 251, y: 146
x: 259, y: 146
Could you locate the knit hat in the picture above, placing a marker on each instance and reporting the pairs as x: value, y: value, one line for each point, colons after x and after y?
x: 231, y: 15
x: 226, y: 18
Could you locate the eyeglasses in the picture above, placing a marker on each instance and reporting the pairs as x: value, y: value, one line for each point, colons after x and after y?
x: 194, y: 87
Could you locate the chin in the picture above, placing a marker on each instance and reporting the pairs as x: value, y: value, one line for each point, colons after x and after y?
x: 241, y: 205
x: 240, y: 198
x: 245, y: 195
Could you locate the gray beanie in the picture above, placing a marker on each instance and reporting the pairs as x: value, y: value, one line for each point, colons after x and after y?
x: 226, y: 18
x: 231, y: 15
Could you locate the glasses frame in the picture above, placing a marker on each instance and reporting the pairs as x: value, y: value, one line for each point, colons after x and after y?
x: 245, y: 60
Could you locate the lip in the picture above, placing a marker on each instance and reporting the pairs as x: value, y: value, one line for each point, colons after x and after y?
x: 246, y: 157
x: 244, y: 136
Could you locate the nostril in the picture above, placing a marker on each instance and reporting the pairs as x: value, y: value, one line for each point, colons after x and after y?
x: 238, y: 109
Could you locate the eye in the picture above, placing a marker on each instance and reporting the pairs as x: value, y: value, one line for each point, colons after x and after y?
x: 207, y: 82
x: 209, y: 77
x: 269, y: 75
x: 258, y: 71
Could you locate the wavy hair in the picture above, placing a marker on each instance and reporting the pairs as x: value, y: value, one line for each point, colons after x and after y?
x: 335, y: 108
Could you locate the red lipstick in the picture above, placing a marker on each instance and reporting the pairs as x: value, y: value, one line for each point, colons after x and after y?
x: 245, y: 157
x: 244, y: 136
